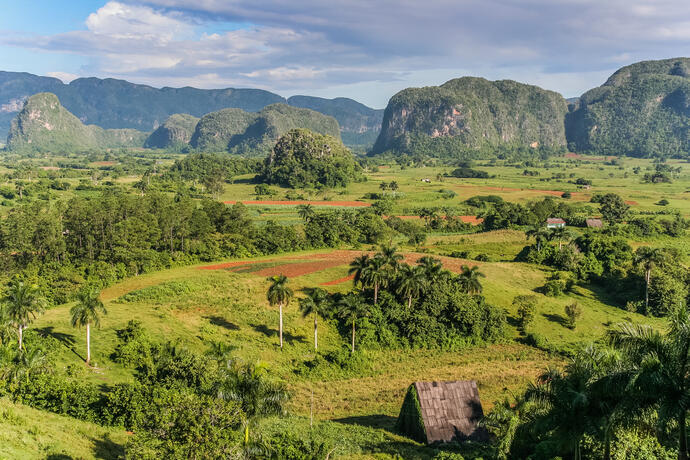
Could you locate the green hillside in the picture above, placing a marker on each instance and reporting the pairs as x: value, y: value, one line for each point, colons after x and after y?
x: 44, y: 125
x: 474, y: 112
x: 30, y: 433
x: 175, y: 132
x: 242, y: 132
x: 642, y: 110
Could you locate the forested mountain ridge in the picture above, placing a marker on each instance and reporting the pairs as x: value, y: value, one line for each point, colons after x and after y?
x: 112, y: 103
x: 241, y: 132
x: 475, y: 112
x: 44, y: 125
x: 642, y: 110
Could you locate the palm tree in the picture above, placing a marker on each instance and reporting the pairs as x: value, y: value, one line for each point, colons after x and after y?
x: 279, y: 294
x: 383, y: 186
x: 221, y: 351
x: 23, y: 303
x: 86, y: 312
x: 559, y: 234
x: 351, y: 308
x: 314, y: 303
x: 469, y: 279
x: 540, y: 234
x: 582, y: 399
x: 433, y: 268
x: 648, y: 258
x: 358, y: 267
x: 659, y: 366
x: 306, y: 212
x: 26, y: 363
x: 375, y: 274
x: 391, y: 257
x: 412, y: 282
x: 393, y: 186
x: 250, y: 387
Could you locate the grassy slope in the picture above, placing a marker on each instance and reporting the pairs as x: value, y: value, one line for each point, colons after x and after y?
x: 29, y: 433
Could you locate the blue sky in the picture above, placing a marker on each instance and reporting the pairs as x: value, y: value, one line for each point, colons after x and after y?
x: 363, y: 49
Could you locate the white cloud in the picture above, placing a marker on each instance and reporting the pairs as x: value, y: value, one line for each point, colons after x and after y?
x: 322, y: 47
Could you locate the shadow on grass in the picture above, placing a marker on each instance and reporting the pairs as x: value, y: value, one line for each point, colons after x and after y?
x: 58, y: 457
x: 222, y: 322
x: 554, y: 318
x: 67, y: 340
x: 106, y: 448
x: 380, y: 421
x: 270, y: 332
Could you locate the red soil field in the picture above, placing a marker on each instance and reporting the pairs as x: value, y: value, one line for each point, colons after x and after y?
x: 467, y: 219
x: 351, y: 204
x: 339, y: 281
x: 228, y: 265
x: 299, y: 269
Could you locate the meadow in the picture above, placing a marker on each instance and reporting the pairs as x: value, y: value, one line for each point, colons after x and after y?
x: 225, y: 301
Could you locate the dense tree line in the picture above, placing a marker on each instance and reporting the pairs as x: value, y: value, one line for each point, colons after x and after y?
x: 100, y: 239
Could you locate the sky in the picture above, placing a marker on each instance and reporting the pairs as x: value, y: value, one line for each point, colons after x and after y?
x: 363, y: 49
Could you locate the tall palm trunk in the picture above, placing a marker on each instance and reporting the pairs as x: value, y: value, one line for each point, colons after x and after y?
x: 316, y: 334
x: 409, y: 302
x: 88, y: 343
x: 376, y: 292
x: 607, y: 446
x: 647, y: 278
x: 353, y: 336
x: 281, y: 326
x: 21, y: 330
x: 683, y: 442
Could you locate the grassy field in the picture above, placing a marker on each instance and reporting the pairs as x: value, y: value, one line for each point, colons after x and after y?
x: 30, y: 433
x: 227, y: 303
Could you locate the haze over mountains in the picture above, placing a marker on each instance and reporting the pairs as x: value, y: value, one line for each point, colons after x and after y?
x: 641, y: 110
x: 118, y: 104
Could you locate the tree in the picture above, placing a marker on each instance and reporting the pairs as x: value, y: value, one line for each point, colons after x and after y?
x: 86, y: 312
x: 411, y: 283
x: 526, y: 308
x: 393, y: 186
x: 390, y: 256
x: 358, y: 268
x: 383, y: 186
x: 659, y: 369
x: 559, y: 234
x: 305, y: 212
x: 314, y: 304
x: 351, y: 308
x: 279, y: 294
x: 613, y: 209
x: 648, y: 258
x: 376, y: 275
x: 23, y: 303
x: 433, y: 267
x: 469, y: 279
x: 7, y: 328
x: 540, y: 235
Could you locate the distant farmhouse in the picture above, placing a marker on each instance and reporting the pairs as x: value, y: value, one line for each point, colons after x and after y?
x: 437, y: 412
x: 594, y: 223
x: 555, y: 222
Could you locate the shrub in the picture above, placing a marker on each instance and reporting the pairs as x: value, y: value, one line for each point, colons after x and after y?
x: 526, y: 309
x: 572, y: 312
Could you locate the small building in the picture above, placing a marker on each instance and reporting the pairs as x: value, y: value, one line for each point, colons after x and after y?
x: 428, y: 181
x: 594, y: 223
x: 438, y: 412
x: 555, y: 222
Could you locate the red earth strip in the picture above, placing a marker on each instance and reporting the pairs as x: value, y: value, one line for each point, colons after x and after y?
x: 293, y: 203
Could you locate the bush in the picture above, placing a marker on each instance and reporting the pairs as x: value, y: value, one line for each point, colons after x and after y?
x: 572, y: 312
x: 526, y: 309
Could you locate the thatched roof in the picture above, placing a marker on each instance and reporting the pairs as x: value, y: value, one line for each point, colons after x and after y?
x: 594, y: 223
x: 450, y: 411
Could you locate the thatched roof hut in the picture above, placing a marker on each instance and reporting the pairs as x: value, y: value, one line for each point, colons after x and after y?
x: 442, y: 412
